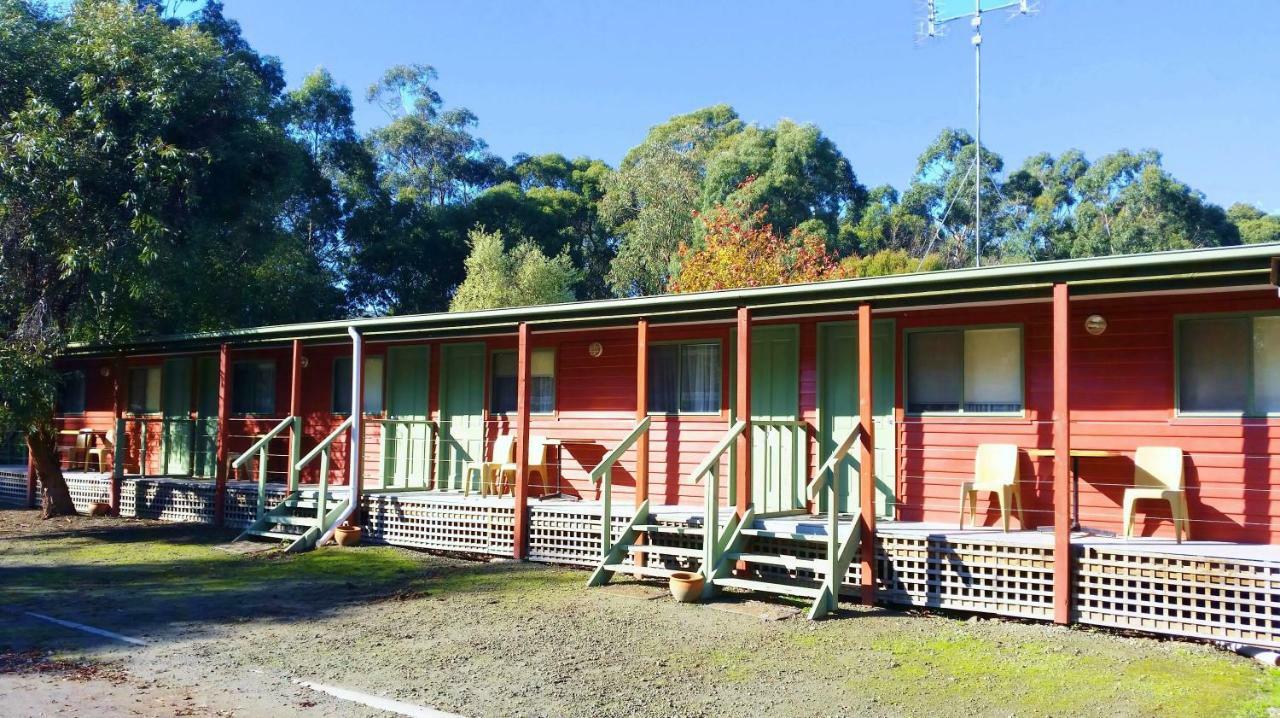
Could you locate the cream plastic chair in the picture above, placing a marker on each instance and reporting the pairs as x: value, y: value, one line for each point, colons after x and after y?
x: 995, y: 470
x: 537, y: 463
x: 99, y: 454
x: 1158, y: 476
x: 77, y: 451
x: 503, y: 451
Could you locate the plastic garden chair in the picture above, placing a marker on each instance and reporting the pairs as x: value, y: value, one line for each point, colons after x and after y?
x: 77, y: 451
x: 503, y: 452
x: 99, y: 453
x: 1158, y: 476
x: 537, y: 463
x: 995, y: 470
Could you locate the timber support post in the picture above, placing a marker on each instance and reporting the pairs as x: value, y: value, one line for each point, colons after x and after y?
x: 31, y: 479
x: 1063, y: 568
x: 121, y: 441
x: 866, y: 471
x: 220, y: 450
x: 523, y: 369
x: 642, y: 443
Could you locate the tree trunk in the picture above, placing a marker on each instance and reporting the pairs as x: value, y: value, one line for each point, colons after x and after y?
x: 54, y: 495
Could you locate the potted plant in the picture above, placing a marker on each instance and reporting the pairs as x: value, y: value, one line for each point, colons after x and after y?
x: 348, y: 534
x: 686, y: 586
x: 101, y: 507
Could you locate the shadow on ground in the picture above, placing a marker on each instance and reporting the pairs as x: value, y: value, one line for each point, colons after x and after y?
x: 150, y: 580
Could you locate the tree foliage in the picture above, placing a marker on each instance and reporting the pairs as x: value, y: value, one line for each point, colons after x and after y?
x: 522, y: 276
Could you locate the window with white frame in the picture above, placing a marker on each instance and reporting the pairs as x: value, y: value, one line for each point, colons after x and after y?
x: 341, y: 402
x: 965, y: 371
x: 1229, y: 365
x: 503, y: 384
x: 144, y: 390
x: 684, y: 378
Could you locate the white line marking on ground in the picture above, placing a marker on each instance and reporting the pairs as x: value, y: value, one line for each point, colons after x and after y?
x: 87, y: 629
x: 382, y: 704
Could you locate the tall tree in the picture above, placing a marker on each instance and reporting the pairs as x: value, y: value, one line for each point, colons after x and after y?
x: 497, y: 277
x: 1254, y: 225
x: 139, y: 149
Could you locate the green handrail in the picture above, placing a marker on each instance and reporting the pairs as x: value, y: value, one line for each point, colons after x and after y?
x: 827, y: 470
x: 322, y: 450
x: 260, y: 448
x: 711, y: 498
x: 604, y: 472
x: 825, y: 478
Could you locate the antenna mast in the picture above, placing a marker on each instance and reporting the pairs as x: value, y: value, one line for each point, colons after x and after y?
x: 940, y: 13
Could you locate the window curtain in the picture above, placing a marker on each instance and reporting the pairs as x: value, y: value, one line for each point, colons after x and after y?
x: 1266, y: 365
x: 700, y: 378
x: 503, y: 383
x: 993, y: 370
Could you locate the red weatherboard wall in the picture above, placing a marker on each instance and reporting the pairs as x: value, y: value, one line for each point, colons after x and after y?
x: 1122, y: 397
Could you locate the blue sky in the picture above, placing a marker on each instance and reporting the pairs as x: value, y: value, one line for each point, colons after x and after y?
x: 1199, y: 81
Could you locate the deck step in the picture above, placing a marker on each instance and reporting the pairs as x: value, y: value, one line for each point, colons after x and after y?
x: 786, y: 535
x: 282, y: 535
x: 287, y: 520
x: 785, y: 589
x: 671, y: 529
x: 770, y: 559
x: 665, y: 550
x: 650, y: 571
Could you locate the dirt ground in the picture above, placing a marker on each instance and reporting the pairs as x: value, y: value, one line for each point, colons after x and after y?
x: 229, y: 634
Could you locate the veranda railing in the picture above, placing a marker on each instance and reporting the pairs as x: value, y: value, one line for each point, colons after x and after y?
x: 322, y: 450
x: 839, y: 554
x: 713, y: 542
x: 408, y: 453
x: 259, y: 450
x: 778, y: 466
x: 602, y: 475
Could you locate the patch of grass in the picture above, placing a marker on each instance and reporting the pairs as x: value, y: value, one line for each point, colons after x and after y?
x: 1047, y: 677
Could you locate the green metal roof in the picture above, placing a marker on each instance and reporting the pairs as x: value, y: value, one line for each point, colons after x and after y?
x: 1225, y: 267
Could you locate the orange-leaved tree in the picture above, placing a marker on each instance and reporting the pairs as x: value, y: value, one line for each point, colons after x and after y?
x: 742, y: 250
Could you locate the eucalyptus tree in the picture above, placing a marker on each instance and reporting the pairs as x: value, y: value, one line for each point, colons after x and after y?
x: 140, y: 149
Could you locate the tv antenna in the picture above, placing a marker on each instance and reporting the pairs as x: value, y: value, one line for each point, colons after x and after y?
x: 940, y: 13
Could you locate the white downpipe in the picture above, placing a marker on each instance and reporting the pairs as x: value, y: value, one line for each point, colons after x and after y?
x: 357, y: 410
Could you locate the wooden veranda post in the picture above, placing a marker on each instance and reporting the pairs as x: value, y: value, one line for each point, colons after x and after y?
x: 1062, y: 559
x: 523, y: 368
x: 295, y: 410
x: 121, y: 442
x: 642, y: 410
x: 742, y: 482
x: 866, y: 458
x: 31, y: 481
x: 220, y: 451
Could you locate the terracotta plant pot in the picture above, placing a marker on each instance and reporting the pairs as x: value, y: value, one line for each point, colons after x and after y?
x: 686, y: 587
x: 348, y: 535
x: 99, y: 508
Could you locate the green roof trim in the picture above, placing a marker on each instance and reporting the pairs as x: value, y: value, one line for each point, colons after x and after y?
x: 1219, y: 267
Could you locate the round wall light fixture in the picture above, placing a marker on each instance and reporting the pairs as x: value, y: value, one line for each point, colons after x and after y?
x: 1095, y: 324
x: 595, y: 349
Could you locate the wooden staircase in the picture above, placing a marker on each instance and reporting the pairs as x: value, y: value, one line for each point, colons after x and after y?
x: 295, y: 520
x: 740, y: 554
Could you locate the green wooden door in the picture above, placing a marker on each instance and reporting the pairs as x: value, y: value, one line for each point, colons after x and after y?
x: 778, y: 440
x: 177, y: 434
x: 461, y: 410
x: 406, y: 443
x: 838, y: 407
x: 206, y: 425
